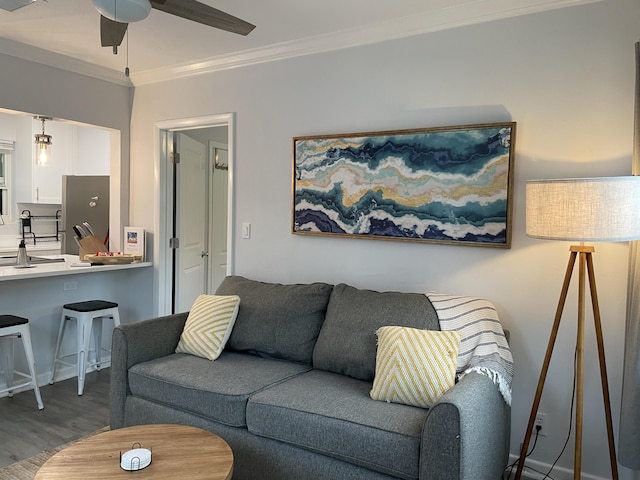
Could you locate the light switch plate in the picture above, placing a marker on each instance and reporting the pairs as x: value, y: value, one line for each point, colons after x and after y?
x: 246, y: 230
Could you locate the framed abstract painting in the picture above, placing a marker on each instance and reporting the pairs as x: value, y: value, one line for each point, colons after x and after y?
x: 450, y: 185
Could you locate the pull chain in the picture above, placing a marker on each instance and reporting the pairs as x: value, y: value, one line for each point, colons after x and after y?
x: 126, y: 70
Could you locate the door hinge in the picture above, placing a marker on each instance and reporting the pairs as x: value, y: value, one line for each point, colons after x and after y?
x: 174, y: 157
x: 174, y: 242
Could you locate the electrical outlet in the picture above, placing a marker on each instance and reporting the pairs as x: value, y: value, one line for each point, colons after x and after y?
x: 541, y: 421
x: 70, y: 285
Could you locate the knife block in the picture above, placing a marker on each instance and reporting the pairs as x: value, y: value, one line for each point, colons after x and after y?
x: 90, y: 246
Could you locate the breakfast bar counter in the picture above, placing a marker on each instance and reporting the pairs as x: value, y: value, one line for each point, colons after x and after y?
x: 71, y: 266
x: 39, y: 292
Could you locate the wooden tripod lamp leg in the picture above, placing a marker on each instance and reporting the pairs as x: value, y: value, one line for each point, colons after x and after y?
x: 585, y: 271
x: 603, y: 367
x: 579, y: 381
x: 545, y: 364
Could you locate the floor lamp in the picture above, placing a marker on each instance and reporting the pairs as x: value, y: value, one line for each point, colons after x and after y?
x: 581, y: 210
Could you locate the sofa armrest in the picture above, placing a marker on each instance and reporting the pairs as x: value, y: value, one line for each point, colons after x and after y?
x: 466, y: 434
x: 134, y: 343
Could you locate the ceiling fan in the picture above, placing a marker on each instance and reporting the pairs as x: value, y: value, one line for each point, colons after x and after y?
x: 117, y: 14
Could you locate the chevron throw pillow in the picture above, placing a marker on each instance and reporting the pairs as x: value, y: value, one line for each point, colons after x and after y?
x: 413, y: 366
x: 209, y: 325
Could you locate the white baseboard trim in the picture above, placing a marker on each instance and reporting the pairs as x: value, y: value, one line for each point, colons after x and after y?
x: 558, y: 473
x: 64, y: 372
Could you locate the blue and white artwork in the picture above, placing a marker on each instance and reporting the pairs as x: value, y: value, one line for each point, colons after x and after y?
x: 448, y: 184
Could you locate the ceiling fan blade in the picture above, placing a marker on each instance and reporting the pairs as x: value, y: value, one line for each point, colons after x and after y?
x: 201, y: 13
x: 111, y: 33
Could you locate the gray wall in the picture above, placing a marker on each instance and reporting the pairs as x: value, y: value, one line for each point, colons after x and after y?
x: 39, y: 89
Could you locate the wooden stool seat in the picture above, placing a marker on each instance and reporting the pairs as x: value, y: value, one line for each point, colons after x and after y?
x: 11, y: 327
x: 86, y: 315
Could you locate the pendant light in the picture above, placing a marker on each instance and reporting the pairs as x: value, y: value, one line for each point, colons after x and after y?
x: 43, y: 144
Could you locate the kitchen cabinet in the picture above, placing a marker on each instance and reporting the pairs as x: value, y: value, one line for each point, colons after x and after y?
x: 6, y: 153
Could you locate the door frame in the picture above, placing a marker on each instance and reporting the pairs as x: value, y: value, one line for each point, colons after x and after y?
x: 162, y: 129
x: 211, y: 146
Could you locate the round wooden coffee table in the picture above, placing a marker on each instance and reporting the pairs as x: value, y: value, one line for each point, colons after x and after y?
x: 177, y: 451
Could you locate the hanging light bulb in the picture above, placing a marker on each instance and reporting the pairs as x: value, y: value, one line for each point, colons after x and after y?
x: 43, y: 143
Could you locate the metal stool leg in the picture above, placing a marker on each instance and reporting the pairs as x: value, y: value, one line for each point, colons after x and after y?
x: 109, y: 314
x: 63, y: 322
x: 97, y: 340
x: 84, y: 340
x: 28, y: 351
x: 6, y: 360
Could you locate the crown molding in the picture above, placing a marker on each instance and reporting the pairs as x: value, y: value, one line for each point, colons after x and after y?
x: 63, y: 62
x: 428, y: 22
x: 464, y: 14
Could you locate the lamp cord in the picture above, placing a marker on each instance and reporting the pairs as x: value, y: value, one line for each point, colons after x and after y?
x: 509, y: 470
x: 573, y: 398
x: 547, y: 475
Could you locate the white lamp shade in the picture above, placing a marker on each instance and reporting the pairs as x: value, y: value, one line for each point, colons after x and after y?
x: 125, y: 11
x: 604, y: 209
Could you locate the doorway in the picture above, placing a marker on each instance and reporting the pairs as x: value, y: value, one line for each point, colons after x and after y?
x: 196, y: 236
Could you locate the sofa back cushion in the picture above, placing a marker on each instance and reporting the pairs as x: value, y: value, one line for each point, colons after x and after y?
x: 275, y: 320
x: 347, y: 340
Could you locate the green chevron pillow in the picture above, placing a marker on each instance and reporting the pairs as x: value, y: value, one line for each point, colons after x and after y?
x: 413, y: 366
x: 209, y: 325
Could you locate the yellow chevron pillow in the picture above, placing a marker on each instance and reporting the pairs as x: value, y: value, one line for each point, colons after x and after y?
x: 209, y: 325
x: 413, y: 366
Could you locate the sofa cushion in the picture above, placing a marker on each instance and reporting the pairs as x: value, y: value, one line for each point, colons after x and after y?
x: 209, y: 325
x: 414, y: 366
x: 276, y: 320
x: 347, y: 340
x: 333, y: 415
x: 217, y: 390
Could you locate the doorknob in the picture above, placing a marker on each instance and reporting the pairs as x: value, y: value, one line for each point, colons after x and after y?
x: 204, y: 254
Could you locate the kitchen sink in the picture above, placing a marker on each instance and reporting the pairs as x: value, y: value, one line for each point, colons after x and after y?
x: 11, y: 260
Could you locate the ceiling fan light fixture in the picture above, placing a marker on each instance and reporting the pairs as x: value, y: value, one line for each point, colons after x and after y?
x: 125, y: 11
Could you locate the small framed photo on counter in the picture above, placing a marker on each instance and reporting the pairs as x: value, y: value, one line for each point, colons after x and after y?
x: 134, y: 241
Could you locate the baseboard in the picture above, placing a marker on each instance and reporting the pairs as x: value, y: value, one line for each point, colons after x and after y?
x: 559, y: 473
x: 63, y: 372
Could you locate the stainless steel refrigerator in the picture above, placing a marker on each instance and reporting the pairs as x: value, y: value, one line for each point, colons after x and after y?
x: 85, y: 198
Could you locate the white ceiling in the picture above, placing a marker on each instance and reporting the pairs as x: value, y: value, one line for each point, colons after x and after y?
x: 65, y: 33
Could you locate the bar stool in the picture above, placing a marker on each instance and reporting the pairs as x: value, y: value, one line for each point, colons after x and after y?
x: 88, y: 316
x: 12, y: 327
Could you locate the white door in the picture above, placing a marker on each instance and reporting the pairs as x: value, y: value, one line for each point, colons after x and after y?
x: 219, y: 195
x: 190, y: 222
x: 196, y: 215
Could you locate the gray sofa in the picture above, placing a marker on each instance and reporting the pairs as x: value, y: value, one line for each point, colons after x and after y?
x: 290, y: 392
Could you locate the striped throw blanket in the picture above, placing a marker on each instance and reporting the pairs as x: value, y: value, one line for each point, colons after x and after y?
x: 483, y: 346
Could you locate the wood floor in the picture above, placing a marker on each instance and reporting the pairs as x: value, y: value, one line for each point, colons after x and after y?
x: 26, y: 431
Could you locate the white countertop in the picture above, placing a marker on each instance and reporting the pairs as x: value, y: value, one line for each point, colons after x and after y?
x: 69, y: 267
